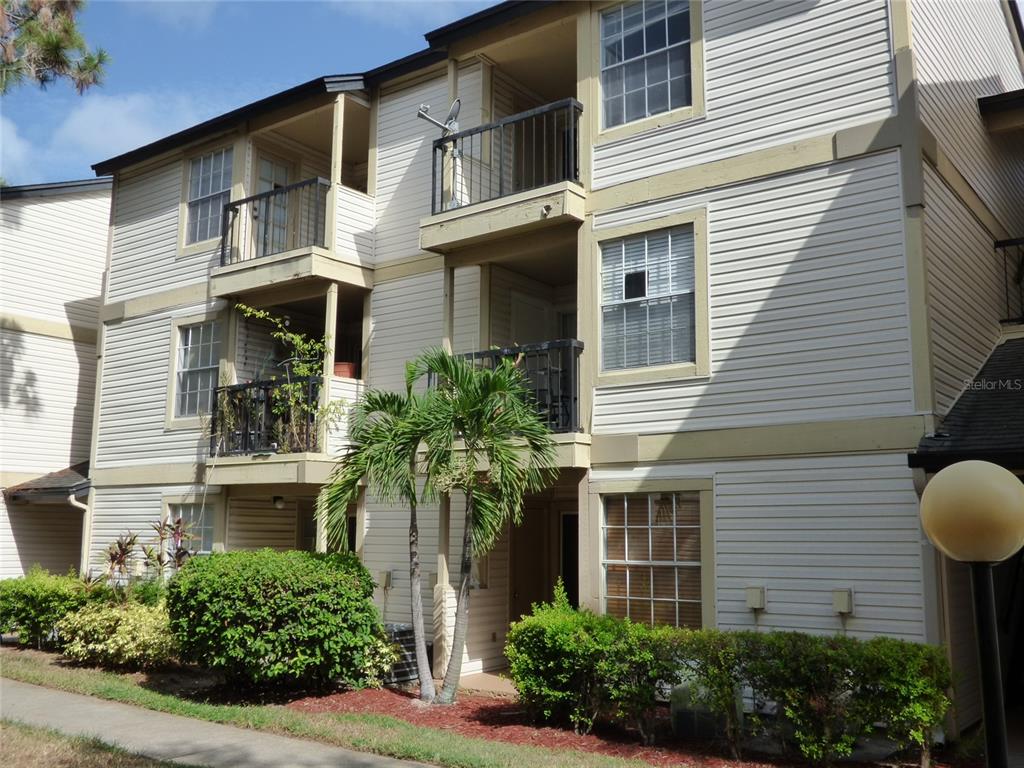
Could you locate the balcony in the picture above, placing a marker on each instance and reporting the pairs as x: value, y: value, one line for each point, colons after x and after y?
x: 1011, y: 256
x: 282, y: 236
x: 509, y: 177
x: 266, y: 417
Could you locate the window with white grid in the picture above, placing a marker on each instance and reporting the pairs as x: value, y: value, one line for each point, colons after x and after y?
x: 198, y: 520
x: 645, y: 60
x: 652, y: 557
x: 197, y: 368
x: 209, y: 190
x: 647, y: 299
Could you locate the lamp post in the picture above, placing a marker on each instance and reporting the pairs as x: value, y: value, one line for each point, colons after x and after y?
x: 973, y: 511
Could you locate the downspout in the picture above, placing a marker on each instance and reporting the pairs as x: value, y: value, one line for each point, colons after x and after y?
x: 74, y: 502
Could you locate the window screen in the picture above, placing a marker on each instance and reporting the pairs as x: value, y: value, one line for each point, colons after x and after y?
x: 647, y: 299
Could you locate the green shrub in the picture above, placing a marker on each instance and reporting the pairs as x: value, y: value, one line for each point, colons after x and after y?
x: 129, y: 636
x: 633, y: 668
x: 278, y: 617
x: 906, y: 685
x: 815, y: 681
x: 31, y: 605
x: 713, y: 659
x: 150, y: 592
x: 553, y: 656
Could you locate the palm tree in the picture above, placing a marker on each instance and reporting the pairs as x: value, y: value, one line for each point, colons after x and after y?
x: 384, y: 441
x: 484, y: 439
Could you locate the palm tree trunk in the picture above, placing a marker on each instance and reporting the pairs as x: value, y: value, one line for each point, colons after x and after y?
x: 415, y: 587
x: 454, y: 671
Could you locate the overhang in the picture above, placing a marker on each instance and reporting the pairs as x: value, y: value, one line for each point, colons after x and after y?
x: 54, y: 188
x: 54, y: 486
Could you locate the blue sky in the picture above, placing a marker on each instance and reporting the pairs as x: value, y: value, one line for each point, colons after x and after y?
x: 175, y: 64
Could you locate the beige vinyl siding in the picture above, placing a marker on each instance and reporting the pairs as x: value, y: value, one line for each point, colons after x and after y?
x: 466, y: 316
x: 802, y: 527
x: 965, y: 290
x: 133, y: 396
x: 964, y: 51
x: 807, y: 299
x: 256, y: 351
x: 404, y: 165
x: 774, y: 73
x: 46, y: 395
x: 54, y: 252
x: 963, y: 644
x: 255, y: 523
x: 145, y: 237
x: 406, y: 320
x: 346, y: 392
x: 49, y: 535
x: 355, y: 226
x: 505, y: 284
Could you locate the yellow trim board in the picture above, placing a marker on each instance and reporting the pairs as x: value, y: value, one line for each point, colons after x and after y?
x: 55, y: 329
x: 886, y: 434
x: 150, y: 303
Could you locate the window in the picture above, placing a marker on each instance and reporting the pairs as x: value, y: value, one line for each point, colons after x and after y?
x: 647, y: 299
x: 645, y: 60
x: 209, y: 189
x: 197, y: 367
x: 652, y: 557
x: 198, y: 520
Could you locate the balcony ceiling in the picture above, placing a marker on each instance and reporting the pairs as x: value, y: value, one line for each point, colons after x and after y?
x: 543, y: 60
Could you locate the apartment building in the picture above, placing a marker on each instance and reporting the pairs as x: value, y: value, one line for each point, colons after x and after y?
x: 53, y: 247
x: 745, y: 250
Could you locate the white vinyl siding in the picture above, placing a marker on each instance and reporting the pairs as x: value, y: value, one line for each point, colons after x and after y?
x: 198, y: 522
x: 801, y: 527
x: 808, y: 304
x: 651, y: 557
x: 773, y: 73
x: 404, y: 166
x: 46, y: 396
x: 645, y: 60
x: 198, y: 363
x: 209, y: 190
x: 965, y: 290
x: 54, y: 252
x: 49, y: 535
x: 963, y: 51
x: 118, y: 510
x: 647, y: 299
x: 346, y: 392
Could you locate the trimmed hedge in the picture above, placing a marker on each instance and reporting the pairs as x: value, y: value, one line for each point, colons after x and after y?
x: 130, y: 636
x: 280, y: 617
x: 576, y: 666
x: 31, y: 605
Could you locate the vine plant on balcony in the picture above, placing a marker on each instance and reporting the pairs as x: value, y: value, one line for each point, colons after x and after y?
x: 296, y: 413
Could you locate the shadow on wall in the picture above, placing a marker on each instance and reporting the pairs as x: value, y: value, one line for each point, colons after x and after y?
x: 18, y: 382
x: 85, y: 391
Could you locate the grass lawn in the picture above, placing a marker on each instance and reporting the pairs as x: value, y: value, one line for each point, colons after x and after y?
x: 365, y: 732
x: 28, y: 747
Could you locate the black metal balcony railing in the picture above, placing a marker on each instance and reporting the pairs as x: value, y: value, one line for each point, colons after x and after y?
x: 521, y: 152
x: 1011, y: 252
x: 265, y: 417
x: 552, y: 372
x: 294, y: 216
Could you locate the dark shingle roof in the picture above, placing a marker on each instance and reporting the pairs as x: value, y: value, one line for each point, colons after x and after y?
x: 987, y: 421
x: 64, y: 482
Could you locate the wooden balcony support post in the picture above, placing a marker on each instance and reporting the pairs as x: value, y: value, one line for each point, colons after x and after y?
x: 330, y: 326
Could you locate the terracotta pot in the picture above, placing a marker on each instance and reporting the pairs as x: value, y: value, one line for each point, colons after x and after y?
x: 345, y: 370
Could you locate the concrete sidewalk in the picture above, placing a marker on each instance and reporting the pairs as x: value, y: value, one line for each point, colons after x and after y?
x: 173, y: 738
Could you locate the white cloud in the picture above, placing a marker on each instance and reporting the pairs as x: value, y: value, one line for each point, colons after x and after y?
x: 180, y: 14
x: 410, y: 15
x: 16, y: 153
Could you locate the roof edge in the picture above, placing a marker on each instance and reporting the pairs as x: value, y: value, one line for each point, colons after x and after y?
x: 484, y: 19
x: 48, y: 189
x: 326, y: 84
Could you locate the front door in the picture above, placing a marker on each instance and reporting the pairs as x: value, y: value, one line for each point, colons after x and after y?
x: 530, y: 574
x: 271, y: 212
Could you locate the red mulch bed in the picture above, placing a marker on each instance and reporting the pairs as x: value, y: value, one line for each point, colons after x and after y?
x: 501, y: 718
